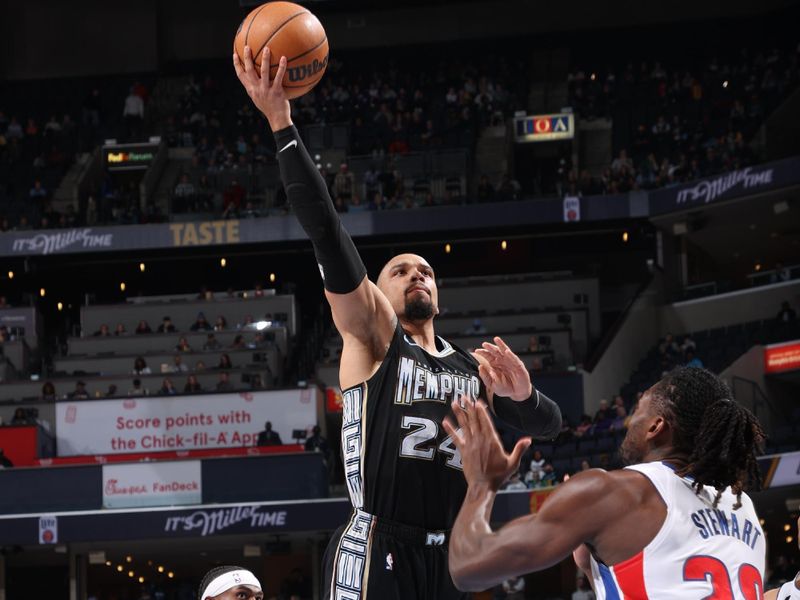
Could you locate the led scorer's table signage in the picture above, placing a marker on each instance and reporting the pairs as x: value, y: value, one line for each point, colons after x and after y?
x: 128, y: 157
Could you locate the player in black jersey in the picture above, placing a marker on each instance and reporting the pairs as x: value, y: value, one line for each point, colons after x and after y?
x: 404, y: 474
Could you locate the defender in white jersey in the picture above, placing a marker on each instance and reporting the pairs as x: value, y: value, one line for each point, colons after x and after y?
x: 676, y: 524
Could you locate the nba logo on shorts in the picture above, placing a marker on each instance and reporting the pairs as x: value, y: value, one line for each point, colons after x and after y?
x: 389, y: 562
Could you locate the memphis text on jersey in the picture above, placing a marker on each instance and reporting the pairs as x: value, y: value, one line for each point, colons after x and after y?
x: 417, y: 383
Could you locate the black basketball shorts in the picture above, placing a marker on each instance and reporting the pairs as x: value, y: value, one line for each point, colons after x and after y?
x: 371, y: 558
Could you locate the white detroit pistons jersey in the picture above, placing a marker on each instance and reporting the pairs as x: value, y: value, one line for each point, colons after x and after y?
x: 700, y: 552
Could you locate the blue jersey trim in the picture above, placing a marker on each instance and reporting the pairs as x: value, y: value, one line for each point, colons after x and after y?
x: 612, y: 592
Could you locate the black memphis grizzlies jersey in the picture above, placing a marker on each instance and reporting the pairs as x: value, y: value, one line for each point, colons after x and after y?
x: 400, y: 463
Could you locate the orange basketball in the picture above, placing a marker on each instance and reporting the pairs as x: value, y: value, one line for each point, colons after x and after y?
x: 291, y: 31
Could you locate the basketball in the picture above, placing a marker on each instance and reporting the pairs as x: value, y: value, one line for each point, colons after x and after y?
x: 291, y: 31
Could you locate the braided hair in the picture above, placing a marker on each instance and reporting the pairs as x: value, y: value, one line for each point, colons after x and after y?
x: 212, y: 575
x: 720, y: 437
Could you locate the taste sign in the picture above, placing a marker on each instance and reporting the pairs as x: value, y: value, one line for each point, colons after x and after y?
x: 205, y: 233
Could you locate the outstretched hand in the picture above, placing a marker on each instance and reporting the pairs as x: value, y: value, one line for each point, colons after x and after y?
x: 503, y: 372
x: 482, y: 454
x: 269, y: 97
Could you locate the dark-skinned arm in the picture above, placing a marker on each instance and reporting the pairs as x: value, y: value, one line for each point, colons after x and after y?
x: 479, y: 557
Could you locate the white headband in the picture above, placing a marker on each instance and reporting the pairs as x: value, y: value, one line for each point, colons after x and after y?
x: 227, y: 581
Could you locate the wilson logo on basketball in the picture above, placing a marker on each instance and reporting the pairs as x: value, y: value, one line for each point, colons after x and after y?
x: 306, y: 71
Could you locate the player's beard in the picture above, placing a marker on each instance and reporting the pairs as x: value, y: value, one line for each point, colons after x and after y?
x: 419, y: 309
x: 631, y: 452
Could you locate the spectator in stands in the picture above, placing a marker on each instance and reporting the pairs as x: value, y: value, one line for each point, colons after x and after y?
x: 780, y: 273
x: 184, y: 194
x: 20, y: 417
x: 5, y: 462
x: 688, y: 344
x: 317, y: 443
x: 183, y: 345
x: 201, y: 324
x: 143, y: 327
x: 48, y: 392
x: 485, y: 191
x: 533, y: 344
x: 536, y: 467
x: 583, y: 591
x: 133, y: 113
x: 787, y: 314
x: 602, y: 418
x: 692, y: 360
x: 256, y: 383
x: 38, y: 191
x: 585, y: 426
x: 221, y: 324
x: 79, y: 393
x: 343, y: 183
x: 104, y: 331
x: 166, y: 326
x: 619, y: 423
x: 111, y: 392
x: 192, y: 385
x: 199, y: 366
x: 238, y: 343
x: 140, y: 367
x: 225, y: 362
x: 618, y: 401
x: 668, y: 349
x: 585, y: 466
x: 476, y: 328
x: 178, y: 366
x: 268, y: 437
x: 259, y: 341
x: 167, y: 388
x: 515, y: 482
x: 138, y: 389
x: 232, y: 199
x: 247, y: 322
x: 224, y: 382
x: 211, y: 343
x: 120, y: 329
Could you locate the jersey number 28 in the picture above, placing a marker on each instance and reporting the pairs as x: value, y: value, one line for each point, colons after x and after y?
x: 420, y: 442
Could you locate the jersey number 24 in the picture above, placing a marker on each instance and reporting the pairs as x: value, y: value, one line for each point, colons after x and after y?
x: 420, y: 442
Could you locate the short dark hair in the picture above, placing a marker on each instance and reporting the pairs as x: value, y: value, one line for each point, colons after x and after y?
x: 721, y: 438
x: 213, y: 574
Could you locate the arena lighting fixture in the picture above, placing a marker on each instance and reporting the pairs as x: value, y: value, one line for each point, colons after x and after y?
x: 725, y: 83
x: 272, y: 277
x: 625, y: 236
x: 141, y: 267
x: 128, y: 558
x: 170, y: 574
x: 222, y: 262
x: 261, y: 325
x: 758, y: 266
x: 42, y: 292
x: 503, y: 245
x: 11, y: 274
x: 787, y: 527
x: 119, y: 568
x: 108, y: 563
x: 160, y: 568
x: 141, y: 579
x: 122, y: 289
x: 447, y: 248
x: 60, y: 306
x: 131, y: 573
x: 789, y: 539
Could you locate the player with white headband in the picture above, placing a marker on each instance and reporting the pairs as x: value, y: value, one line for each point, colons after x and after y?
x: 230, y: 583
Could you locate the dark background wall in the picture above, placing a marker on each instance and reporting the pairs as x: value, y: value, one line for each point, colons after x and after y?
x: 54, y: 38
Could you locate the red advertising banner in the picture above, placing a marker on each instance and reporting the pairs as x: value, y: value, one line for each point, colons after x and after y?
x: 782, y: 357
x: 19, y: 444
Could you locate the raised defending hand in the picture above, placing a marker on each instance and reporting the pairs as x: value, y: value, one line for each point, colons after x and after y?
x: 269, y: 97
x: 482, y: 454
x: 503, y: 372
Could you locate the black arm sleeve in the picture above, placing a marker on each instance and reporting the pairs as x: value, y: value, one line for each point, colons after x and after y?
x: 538, y: 416
x: 339, y: 263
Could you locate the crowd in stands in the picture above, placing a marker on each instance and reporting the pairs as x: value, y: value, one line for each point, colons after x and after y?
x: 672, y: 123
x: 676, y: 123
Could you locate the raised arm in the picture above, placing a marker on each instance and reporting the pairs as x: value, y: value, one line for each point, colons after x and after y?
x: 575, y: 513
x: 362, y: 313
